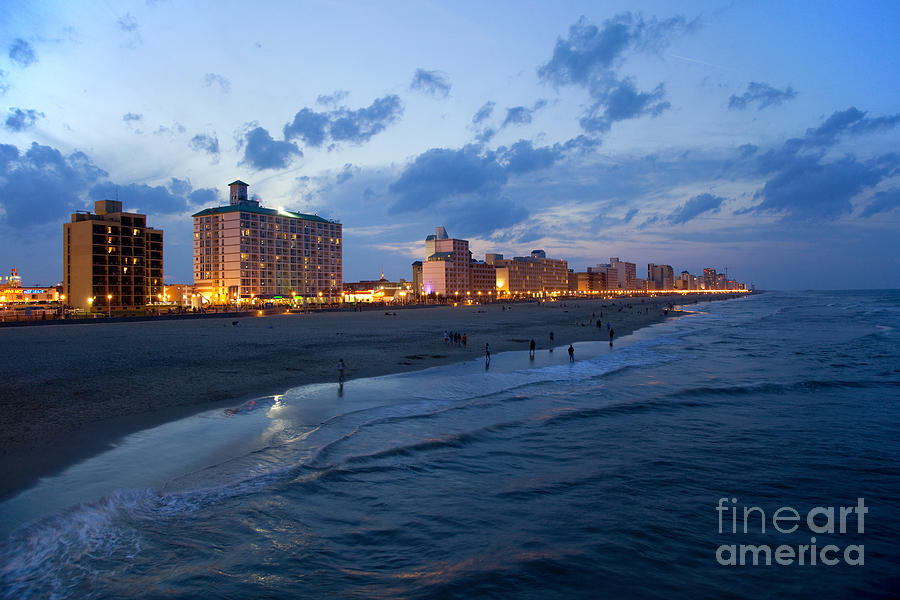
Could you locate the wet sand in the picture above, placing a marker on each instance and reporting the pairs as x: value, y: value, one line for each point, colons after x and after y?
x: 67, y: 391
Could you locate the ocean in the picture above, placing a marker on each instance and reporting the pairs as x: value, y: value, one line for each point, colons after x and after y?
x: 631, y: 472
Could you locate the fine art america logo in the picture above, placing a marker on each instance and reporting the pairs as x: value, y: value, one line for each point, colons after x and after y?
x: 821, y: 520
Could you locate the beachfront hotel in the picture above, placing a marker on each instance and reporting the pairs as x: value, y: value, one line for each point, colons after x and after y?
x: 449, y: 270
x: 245, y: 253
x: 111, y: 259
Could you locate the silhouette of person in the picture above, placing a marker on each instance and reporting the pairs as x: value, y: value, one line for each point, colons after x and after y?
x: 571, y: 353
x: 531, y: 350
x: 612, y: 332
x: 341, y: 371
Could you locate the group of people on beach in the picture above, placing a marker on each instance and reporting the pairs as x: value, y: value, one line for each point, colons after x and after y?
x: 455, y: 337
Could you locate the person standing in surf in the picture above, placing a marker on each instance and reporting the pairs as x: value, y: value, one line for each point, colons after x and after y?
x: 571, y: 353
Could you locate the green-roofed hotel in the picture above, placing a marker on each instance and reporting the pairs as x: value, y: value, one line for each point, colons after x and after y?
x: 244, y: 253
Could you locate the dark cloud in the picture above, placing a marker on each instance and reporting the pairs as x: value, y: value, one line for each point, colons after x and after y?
x: 882, y: 202
x: 434, y: 83
x: 747, y: 150
x: 485, y: 135
x: 622, y: 101
x: 851, y: 121
x: 42, y: 186
x: 211, y: 79
x: 263, y: 152
x: 21, y: 52
x: 309, y: 126
x: 346, y: 173
x: 805, y: 188
x: 130, y: 117
x: 343, y: 124
x: 517, y: 115
x: 361, y: 125
x: 695, y: 207
x: 523, y: 157
x: 441, y: 173
x: 630, y: 215
x: 176, y: 197
x: 483, y: 216
x: 205, y: 142
x: 20, y: 120
x: 761, y: 94
x: 483, y: 113
x: 332, y: 100
x: 589, y: 56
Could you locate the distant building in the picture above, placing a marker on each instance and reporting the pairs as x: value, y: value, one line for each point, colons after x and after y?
x: 417, y: 277
x: 445, y: 271
x: 111, y: 259
x: 244, y: 252
x: 709, y: 279
x: 530, y: 275
x: 660, y: 277
x: 626, y: 273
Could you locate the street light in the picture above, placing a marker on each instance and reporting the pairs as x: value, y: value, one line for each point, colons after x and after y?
x: 109, y: 304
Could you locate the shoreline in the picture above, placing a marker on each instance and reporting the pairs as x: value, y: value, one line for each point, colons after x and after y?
x: 72, y: 391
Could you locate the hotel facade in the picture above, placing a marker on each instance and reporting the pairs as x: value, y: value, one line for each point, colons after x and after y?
x: 244, y: 252
x: 111, y: 259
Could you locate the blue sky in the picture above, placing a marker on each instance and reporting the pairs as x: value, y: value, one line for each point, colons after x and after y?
x: 761, y: 136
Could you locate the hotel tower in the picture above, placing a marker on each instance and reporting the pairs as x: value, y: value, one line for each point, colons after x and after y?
x: 111, y: 259
x: 244, y: 253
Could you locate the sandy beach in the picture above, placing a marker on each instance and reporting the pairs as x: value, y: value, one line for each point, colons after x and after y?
x: 66, y: 391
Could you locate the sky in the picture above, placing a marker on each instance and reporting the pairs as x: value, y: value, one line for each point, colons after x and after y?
x: 758, y: 136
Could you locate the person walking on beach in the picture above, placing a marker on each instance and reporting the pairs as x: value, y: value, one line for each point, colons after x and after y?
x: 551, y: 341
x: 531, y: 350
x: 341, y: 371
x: 571, y: 353
x: 487, y: 356
x: 612, y: 332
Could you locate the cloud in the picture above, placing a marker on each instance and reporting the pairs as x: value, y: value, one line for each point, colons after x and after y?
x: 20, y: 120
x: 263, y: 152
x: 622, y: 101
x: 523, y: 157
x: 805, y: 188
x: 211, y: 79
x: 332, y: 100
x: 171, y: 132
x: 747, y: 150
x: 695, y: 207
x: 361, y: 125
x: 434, y: 83
x: 177, y: 196
x: 517, y: 115
x: 346, y: 173
x: 42, y: 186
x: 763, y: 95
x: 882, y: 202
x: 630, y: 215
x: 22, y: 53
x: 4, y: 86
x: 205, y: 142
x: 343, y: 124
x: 483, y: 113
x: 521, y: 115
x: 442, y: 172
x: 851, y: 121
x: 589, y: 57
x: 131, y: 117
x: 309, y: 126
x: 129, y: 25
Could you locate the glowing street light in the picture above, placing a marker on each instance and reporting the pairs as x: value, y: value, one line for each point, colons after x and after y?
x: 109, y: 304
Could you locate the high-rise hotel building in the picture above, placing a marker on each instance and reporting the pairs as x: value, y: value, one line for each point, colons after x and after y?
x: 244, y: 252
x: 111, y: 259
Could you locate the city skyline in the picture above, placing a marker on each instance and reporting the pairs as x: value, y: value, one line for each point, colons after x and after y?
x: 758, y: 137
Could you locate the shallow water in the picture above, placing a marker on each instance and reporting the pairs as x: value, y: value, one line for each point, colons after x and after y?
x: 530, y: 479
